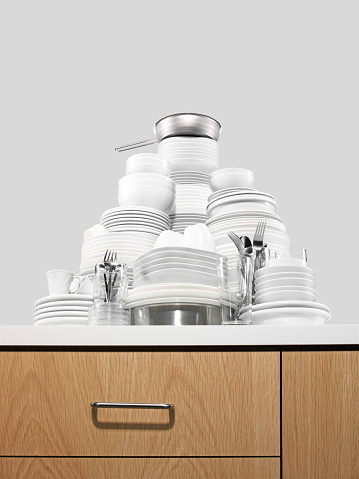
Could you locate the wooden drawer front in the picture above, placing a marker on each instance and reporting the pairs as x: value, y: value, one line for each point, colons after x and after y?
x: 153, y: 468
x: 321, y: 415
x: 226, y: 403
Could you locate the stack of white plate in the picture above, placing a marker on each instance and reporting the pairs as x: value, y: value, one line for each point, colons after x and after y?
x: 190, y: 154
x: 62, y: 309
x: 286, y: 288
x: 128, y: 245
x: 244, y: 223
x: 190, y: 177
x: 239, y: 199
x: 135, y: 219
x: 173, y: 265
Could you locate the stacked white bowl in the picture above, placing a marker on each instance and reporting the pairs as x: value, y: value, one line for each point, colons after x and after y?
x: 235, y: 205
x: 285, y: 294
x: 147, y: 183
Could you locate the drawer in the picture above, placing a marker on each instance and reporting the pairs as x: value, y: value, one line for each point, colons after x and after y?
x: 153, y: 468
x: 226, y: 403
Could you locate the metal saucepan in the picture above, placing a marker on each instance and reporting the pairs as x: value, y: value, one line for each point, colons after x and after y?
x: 180, y: 124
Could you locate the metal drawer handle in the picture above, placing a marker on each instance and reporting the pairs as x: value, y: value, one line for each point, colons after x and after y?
x: 132, y: 405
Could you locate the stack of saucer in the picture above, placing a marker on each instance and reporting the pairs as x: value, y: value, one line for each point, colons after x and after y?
x: 62, y: 309
x: 190, y: 154
x: 285, y: 294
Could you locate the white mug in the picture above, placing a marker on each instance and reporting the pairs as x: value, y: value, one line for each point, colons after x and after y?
x: 59, y: 281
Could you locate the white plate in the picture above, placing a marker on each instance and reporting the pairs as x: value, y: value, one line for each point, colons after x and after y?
x: 174, y: 299
x: 142, y: 229
x: 269, y: 270
x: 249, y: 214
x: 135, y: 210
x: 62, y: 322
x: 52, y: 309
x: 63, y: 314
x: 290, y: 316
x: 284, y: 276
x: 179, y: 252
x: 185, y: 293
x: 285, y: 295
x: 64, y: 304
x: 291, y: 304
x: 64, y: 297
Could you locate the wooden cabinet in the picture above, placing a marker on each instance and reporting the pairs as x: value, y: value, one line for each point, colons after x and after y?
x: 320, y: 414
x: 135, y: 468
x: 238, y: 413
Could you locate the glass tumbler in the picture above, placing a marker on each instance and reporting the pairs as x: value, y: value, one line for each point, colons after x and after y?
x: 110, y: 288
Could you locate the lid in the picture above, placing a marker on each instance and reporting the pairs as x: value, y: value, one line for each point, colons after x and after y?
x: 187, y: 124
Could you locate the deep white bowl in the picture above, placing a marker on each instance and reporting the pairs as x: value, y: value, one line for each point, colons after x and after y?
x: 153, y: 196
x: 147, y: 163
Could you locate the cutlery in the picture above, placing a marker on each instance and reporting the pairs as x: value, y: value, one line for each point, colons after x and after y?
x: 258, y: 243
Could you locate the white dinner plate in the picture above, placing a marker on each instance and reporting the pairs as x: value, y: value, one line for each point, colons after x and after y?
x: 61, y: 322
x: 63, y: 314
x: 64, y: 297
x: 53, y: 309
x: 290, y: 316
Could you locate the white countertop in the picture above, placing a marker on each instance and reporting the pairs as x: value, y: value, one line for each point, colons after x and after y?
x: 328, y: 334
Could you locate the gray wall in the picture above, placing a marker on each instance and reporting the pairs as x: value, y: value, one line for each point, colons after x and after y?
x: 79, y: 78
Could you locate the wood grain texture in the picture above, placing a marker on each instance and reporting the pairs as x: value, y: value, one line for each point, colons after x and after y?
x: 226, y: 403
x: 153, y: 468
x: 321, y: 415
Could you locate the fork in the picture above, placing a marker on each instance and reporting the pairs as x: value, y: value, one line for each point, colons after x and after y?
x: 258, y: 242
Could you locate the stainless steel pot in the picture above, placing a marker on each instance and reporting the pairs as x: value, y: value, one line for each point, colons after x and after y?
x: 180, y: 124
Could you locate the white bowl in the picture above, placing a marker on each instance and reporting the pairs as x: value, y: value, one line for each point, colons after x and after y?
x: 147, y: 163
x: 286, y: 282
x: 285, y: 295
x: 146, y: 195
x: 147, y: 179
x: 231, y: 178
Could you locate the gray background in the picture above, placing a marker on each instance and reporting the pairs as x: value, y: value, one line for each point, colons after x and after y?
x: 79, y: 78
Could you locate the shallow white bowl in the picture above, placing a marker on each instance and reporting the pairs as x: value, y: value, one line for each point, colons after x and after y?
x: 269, y: 270
x: 285, y: 295
x: 231, y: 178
x: 290, y: 316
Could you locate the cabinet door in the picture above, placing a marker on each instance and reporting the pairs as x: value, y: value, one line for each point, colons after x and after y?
x: 130, y: 468
x: 226, y: 403
x: 321, y: 414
